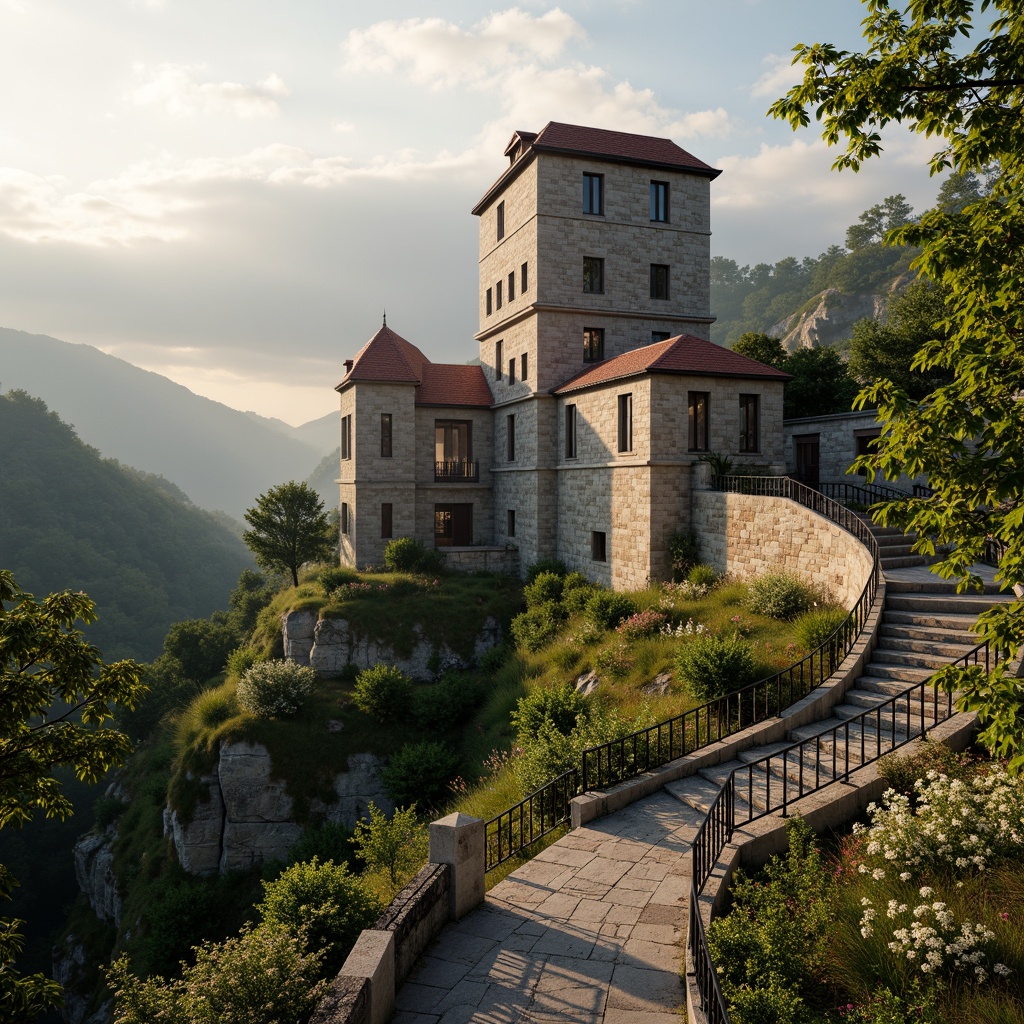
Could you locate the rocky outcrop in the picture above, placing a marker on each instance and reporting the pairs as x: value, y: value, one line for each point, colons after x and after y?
x: 830, y: 316
x: 70, y: 967
x: 331, y: 646
x: 248, y: 816
x: 94, y: 871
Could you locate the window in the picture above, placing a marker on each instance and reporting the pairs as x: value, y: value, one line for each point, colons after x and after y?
x: 346, y: 437
x: 524, y: 365
x: 866, y: 442
x: 488, y: 301
x: 659, y: 336
x: 510, y: 437
x: 497, y: 296
x: 453, y: 450
x: 593, y: 275
x: 570, y: 431
x: 593, y: 344
x: 512, y: 370
x: 385, y: 435
x: 659, y: 200
x: 593, y: 193
x: 523, y: 279
x: 598, y: 547
x: 625, y: 423
x: 510, y: 528
x: 698, y: 406
x: 511, y: 286
x: 385, y: 520
x: 749, y: 439
x: 659, y: 281
x: 501, y: 220
x: 344, y: 517
x: 498, y: 359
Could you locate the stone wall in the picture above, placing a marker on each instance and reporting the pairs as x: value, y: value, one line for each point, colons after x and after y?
x: 747, y: 535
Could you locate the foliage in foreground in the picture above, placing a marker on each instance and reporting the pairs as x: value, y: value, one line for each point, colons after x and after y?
x: 273, y: 689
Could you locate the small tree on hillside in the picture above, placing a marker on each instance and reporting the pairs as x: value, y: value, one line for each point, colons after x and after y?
x: 763, y: 347
x: 289, y: 528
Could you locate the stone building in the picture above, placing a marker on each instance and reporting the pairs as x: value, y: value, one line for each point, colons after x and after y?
x: 598, y: 389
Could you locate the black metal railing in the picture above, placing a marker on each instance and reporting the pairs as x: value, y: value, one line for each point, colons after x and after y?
x: 455, y: 470
x: 536, y: 815
x: 800, y: 770
x: 861, y: 495
x: 513, y: 831
x: 923, y: 491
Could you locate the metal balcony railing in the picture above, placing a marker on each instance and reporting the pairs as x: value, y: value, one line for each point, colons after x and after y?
x: 456, y: 470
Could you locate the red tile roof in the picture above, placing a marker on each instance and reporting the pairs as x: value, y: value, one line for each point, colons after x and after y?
x: 683, y: 355
x: 387, y: 357
x: 448, y: 384
x: 643, y: 149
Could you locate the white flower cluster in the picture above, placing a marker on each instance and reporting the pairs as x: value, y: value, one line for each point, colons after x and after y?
x: 688, y: 628
x: 932, y: 940
x: 957, y: 824
x: 686, y: 590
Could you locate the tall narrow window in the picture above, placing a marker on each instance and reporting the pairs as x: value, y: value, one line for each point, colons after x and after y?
x: 657, y: 336
x: 512, y: 370
x: 344, y: 517
x: 699, y: 420
x: 659, y: 281
x: 386, y: 531
x: 453, y: 450
x: 499, y: 359
x: 593, y: 193
x: 750, y: 440
x: 625, y: 423
x: 497, y: 296
x: 511, y: 286
x: 510, y: 437
x: 346, y: 437
x: 524, y: 366
x: 593, y: 344
x: 659, y: 201
x: 570, y: 431
x: 523, y: 279
x: 598, y: 546
x: 385, y: 435
x: 593, y: 275
x: 501, y: 220
x: 510, y: 526
x: 489, y: 302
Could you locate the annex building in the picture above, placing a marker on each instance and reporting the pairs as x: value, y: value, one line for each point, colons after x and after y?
x: 598, y: 391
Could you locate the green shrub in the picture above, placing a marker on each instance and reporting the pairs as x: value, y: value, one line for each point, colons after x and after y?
x: 714, y: 664
x: 106, y: 810
x: 419, y: 773
x: 779, y: 595
x: 324, y: 902
x: 555, y: 565
x: 430, y: 562
x: 330, y: 577
x: 703, y: 575
x: 327, y: 841
x: 446, y: 703
x: 559, y: 706
x: 642, y: 624
x: 577, y: 590
x: 492, y: 660
x: 200, y: 647
x: 272, y: 689
x: 397, y: 847
x: 532, y: 629
x: 684, y: 551
x: 241, y: 659
x: 382, y: 691
x: 813, y: 628
x: 213, y: 707
x: 543, y: 588
x: 606, y: 609
x: 402, y: 554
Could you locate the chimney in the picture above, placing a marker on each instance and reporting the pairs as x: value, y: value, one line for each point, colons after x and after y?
x: 348, y: 365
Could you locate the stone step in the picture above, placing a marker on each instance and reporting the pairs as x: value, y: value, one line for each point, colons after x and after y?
x: 930, y: 620
x: 888, y: 541
x: 937, y: 586
x: 939, y: 604
x: 912, y: 659
x: 882, y: 716
x: 907, y: 561
x: 930, y: 642
x: 881, y: 670
x: 695, y: 792
x: 888, y: 687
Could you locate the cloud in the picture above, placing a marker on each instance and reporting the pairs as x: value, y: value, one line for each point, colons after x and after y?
x: 176, y: 88
x: 440, y: 54
x: 780, y: 75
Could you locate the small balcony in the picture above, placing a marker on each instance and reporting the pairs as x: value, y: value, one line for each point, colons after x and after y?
x: 456, y: 471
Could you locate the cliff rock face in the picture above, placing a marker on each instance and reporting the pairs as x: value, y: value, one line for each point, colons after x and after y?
x: 829, y: 320
x: 248, y: 816
x: 69, y: 966
x: 94, y: 872
x: 330, y: 646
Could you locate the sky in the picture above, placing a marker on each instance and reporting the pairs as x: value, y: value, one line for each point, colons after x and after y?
x: 231, y: 192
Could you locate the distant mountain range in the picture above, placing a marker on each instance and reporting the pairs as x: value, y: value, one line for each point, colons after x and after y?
x: 221, y: 458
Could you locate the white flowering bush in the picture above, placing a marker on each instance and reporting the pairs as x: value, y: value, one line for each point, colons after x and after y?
x: 958, y: 823
x: 684, y: 629
x: 275, y: 689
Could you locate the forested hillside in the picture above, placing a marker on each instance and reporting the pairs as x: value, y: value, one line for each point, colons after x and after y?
x: 72, y: 519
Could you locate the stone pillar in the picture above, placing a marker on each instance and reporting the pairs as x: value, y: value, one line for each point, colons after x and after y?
x: 373, y: 958
x: 700, y: 476
x: 458, y: 840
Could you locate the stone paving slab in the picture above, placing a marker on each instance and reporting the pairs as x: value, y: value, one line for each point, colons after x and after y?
x: 590, y: 931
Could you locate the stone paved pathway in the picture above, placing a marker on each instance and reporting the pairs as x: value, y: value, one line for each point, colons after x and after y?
x: 590, y: 931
